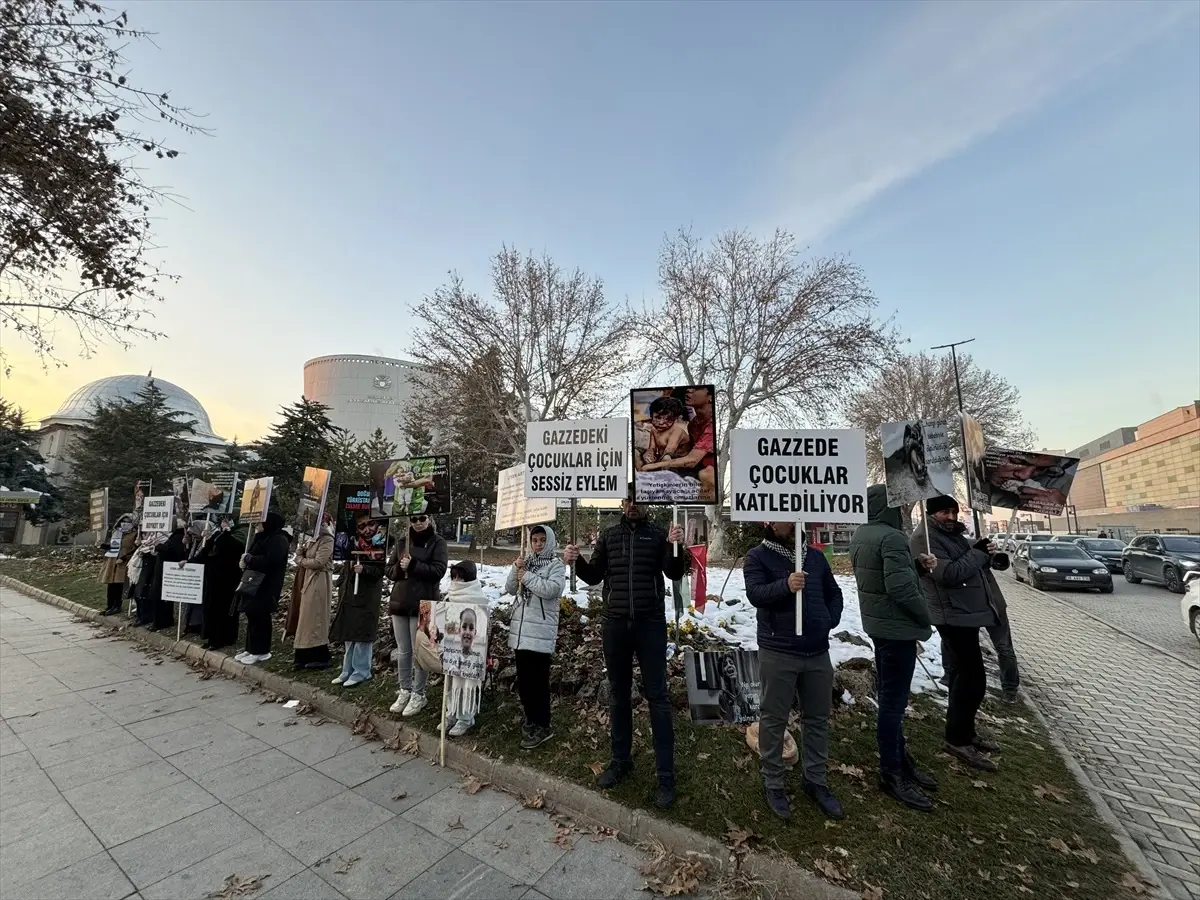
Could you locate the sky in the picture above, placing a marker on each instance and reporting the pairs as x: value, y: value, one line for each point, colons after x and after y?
x: 1026, y: 174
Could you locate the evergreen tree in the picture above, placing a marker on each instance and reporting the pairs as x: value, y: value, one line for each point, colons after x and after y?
x: 378, y: 447
x: 125, y: 442
x: 22, y: 467
x: 233, y: 458
x: 345, y: 461
x: 304, y: 437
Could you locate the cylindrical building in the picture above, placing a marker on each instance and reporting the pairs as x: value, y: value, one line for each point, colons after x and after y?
x: 363, y: 392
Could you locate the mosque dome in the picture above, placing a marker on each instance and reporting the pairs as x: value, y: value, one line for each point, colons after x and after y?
x: 82, y: 403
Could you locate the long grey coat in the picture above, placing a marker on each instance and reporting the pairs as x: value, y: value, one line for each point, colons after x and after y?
x: 961, y: 590
x: 534, y: 624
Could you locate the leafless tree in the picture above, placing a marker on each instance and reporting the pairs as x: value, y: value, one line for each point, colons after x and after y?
x: 782, y: 338
x: 75, y: 209
x: 546, y: 345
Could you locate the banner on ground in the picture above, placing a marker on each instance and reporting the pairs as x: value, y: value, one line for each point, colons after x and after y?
x: 974, y: 451
x: 513, y: 508
x: 916, y: 460
x: 183, y: 584
x: 674, y: 444
x: 141, y: 490
x: 313, y: 492
x: 256, y: 499
x: 156, y: 514
x: 723, y: 686
x: 580, y: 459
x: 1028, y: 481
x: 815, y: 475
x: 464, y: 645
x: 98, y: 511
x: 353, y: 500
x: 419, y: 485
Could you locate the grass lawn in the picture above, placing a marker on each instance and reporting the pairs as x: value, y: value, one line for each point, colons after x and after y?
x: 1026, y: 831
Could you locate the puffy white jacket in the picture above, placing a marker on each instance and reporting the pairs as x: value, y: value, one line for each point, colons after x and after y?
x: 534, y: 624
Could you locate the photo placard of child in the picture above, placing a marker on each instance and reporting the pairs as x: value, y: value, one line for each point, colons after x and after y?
x: 464, y: 646
x: 674, y: 444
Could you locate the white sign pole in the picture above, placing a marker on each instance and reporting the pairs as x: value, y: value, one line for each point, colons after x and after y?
x: 675, y: 521
x: 801, y: 553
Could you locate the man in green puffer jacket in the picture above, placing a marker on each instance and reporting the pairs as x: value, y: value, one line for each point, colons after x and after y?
x: 896, y: 617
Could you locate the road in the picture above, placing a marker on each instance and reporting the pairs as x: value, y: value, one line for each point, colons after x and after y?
x: 127, y: 777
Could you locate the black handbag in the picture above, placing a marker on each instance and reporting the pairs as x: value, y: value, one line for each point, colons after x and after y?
x: 250, y: 583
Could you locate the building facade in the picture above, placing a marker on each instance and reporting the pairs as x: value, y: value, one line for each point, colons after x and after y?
x: 363, y: 393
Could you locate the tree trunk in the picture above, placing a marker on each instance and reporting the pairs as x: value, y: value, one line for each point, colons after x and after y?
x: 716, y: 532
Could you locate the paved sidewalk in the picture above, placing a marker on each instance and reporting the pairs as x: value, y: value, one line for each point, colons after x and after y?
x: 124, y: 775
x: 1130, y: 715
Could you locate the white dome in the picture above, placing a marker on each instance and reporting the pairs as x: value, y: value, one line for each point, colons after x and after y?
x: 82, y: 403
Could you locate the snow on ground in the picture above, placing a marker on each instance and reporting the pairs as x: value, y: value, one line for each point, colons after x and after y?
x: 733, y: 620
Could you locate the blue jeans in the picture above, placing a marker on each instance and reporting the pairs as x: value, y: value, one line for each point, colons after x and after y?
x: 894, y: 665
x: 357, y: 662
x: 409, y: 675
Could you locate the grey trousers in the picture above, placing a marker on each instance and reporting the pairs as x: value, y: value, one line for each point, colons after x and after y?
x: 783, y: 677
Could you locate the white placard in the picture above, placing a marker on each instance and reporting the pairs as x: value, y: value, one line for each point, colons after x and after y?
x: 513, y: 508
x: 184, y: 585
x: 916, y: 460
x: 581, y: 458
x: 156, y: 514
x: 814, y: 475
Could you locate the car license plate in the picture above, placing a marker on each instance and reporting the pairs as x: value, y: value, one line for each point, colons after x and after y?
x: 1079, y: 578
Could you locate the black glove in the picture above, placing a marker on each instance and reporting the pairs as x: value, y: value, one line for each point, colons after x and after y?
x: 982, y: 545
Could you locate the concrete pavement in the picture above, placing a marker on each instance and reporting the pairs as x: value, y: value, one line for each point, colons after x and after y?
x: 124, y: 775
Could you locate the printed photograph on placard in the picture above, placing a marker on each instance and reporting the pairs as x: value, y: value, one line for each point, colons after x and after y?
x: 464, y: 646
x: 974, y: 450
x: 408, y: 487
x: 207, y: 499
x: 256, y: 499
x: 368, y: 541
x: 674, y: 444
x: 313, y: 489
x: 179, y: 489
x: 1029, y: 481
x: 353, y: 501
x: 916, y: 461
x: 723, y: 686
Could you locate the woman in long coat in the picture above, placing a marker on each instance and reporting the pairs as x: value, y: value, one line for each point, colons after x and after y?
x: 360, y: 596
x: 172, y: 552
x: 221, y: 554
x: 268, y: 555
x: 115, y: 567
x: 312, y: 596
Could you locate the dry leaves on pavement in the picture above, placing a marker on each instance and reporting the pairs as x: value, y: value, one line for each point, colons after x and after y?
x: 456, y: 825
x: 473, y: 785
x: 739, y: 838
x: 534, y: 801
x: 346, y: 864
x: 673, y: 877
x: 236, y: 886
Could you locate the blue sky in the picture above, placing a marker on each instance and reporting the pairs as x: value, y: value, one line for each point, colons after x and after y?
x: 1025, y: 174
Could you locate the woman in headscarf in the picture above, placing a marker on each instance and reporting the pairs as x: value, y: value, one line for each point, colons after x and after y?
x: 360, y: 594
x: 416, y: 569
x: 267, y: 555
x: 173, y: 551
x: 312, y: 593
x: 537, y: 582
x: 115, y: 567
x: 221, y: 555
x: 141, y: 568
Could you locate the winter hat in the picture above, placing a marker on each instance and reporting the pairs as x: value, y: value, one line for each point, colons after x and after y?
x: 464, y: 569
x: 937, y: 504
x: 274, y: 522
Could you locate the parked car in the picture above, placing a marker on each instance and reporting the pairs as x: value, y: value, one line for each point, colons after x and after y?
x: 1050, y: 564
x: 1067, y: 538
x: 1109, y: 551
x: 1163, y: 558
x: 1191, y: 603
x: 1015, y: 540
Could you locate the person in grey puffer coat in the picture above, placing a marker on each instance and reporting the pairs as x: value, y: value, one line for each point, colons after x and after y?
x: 536, y: 580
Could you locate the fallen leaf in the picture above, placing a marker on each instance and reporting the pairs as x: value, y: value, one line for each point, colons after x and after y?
x: 829, y: 870
x: 1088, y: 854
x: 738, y: 838
x: 982, y: 785
x: 1132, y: 882
x: 412, y: 748
x: 1061, y: 846
x: 703, y: 756
x: 400, y: 796
x: 596, y: 768
x: 534, y: 801
x: 236, y: 886
x: 1042, y: 791
x: 851, y: 771
x: 289, y: 723
x: 346, y: 864
x: 871, y: 892
x: 562, y: 837
x: 204, y: 676
x: 1072, y: 884
x: 500, y: 845
x: 976, y: 841
x: 304, y: 709
x: 473, y: 785
x: 113, y: 691
x: 456, y: 825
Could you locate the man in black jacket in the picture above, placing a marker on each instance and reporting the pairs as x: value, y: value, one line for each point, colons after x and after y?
x: 631, y: 559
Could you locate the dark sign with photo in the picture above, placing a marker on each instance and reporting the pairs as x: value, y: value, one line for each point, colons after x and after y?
x: 674, y: 444
x: 419, y: 485
x: 1028, y: 481
x: 974, y: 450
x: 723, y: 686
x: 353, y: 503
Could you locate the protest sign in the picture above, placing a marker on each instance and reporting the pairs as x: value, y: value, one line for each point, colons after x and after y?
x: 98, y: 511
x: 916, y: 461
x: 353, y: 500
x: 156, y: 514
x: 674, y: 444
x: 723, y: 686
x: 228, y: 483
x: 141, y: 490
x: 513, y: 508
x: 183, y: 585
x: 313, y: 491
x: 207, y: 498
x: 256, y: 499
x: 179, y: 488
x: 464, y: 645
x: 1029, y: 481
x: 419, y: 485
x: 790, y: 476
x: 581, y: 459
x: 974, y: 450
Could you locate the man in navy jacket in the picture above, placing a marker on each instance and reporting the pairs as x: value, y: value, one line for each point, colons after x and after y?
x: 792, y: 663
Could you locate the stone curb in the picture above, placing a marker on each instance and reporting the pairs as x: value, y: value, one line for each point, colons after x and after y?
x: 583, y: 805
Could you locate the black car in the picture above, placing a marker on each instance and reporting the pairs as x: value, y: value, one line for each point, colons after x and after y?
x: 1163, y: 558
x: 1060, y: 565
x: 1109, y: 551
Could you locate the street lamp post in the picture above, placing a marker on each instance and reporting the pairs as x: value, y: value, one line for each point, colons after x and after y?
x: 962, y: 432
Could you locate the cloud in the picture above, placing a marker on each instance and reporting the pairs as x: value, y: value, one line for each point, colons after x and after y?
x: 948, y: 76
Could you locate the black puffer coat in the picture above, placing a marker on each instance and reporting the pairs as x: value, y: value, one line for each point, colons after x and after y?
x: 631, y: 559
x: 961, y: 590
x: 429, y: 555
x: 268, y: 554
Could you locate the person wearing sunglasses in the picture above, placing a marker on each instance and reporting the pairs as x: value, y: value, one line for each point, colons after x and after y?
x: 416, y: 569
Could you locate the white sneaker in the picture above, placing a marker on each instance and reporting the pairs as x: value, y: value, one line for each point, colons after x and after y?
x: 338, y: 680
x: 243, y: 657
x: 460, y: 728
x: 416, y: 703
x: 402, y: 698
x: 251, y: 660
x: 354, y: 681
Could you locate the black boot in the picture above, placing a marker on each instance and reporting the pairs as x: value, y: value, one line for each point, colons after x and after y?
x: 777, y: 802
x: 973, y: 758
x: 899, y: 788
x: 921, y: 779
x: 614, y: 774
x: 823, y: 797
x: 664, y: 797
x: 986, y: 743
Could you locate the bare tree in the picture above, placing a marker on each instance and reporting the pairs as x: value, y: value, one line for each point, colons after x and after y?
x: 75, y: 227
x: 781, y: 338
x: 546, y: 345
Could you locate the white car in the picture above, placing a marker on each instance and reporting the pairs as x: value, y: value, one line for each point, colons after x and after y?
x: 1190, y: 605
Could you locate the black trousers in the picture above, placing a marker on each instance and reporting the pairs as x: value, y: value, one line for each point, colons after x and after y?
x: 258, y: 632
x: 114, y: 594
x: 533, y: 686
x: 647, y: 640
x: 895, y: 662
x: 968, y: 683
